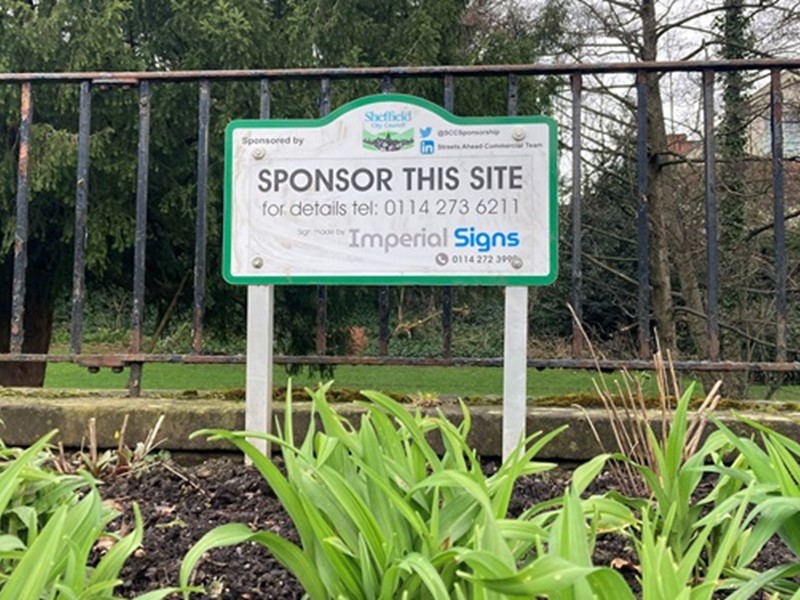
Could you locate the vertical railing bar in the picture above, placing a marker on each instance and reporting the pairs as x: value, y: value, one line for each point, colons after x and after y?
x: 140, y: 237
x: 577, y: 217
x: 322, y: 319
x: 81, y: 216
x: 712, y: 237
x: 778, y: 182
x: 322, y: 290
x: 383, y: 320
x: 264, y: 106
x: 325, y: 97
x: 642, y: 159
x: 201, y: 224
x: 447, y: 291
x: 383, y: 291
x: 513, y: 94
x: 21, y: 224
x: 449, y: 92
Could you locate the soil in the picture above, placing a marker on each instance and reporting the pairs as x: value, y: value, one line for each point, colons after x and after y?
x: 181, y: 503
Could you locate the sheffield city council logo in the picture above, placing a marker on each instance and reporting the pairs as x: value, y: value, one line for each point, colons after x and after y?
x: 387, y: 131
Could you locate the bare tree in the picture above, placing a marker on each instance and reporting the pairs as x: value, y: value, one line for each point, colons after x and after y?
x: 651, y: 30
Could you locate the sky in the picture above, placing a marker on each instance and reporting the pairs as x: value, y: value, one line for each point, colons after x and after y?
x: 687, y: 33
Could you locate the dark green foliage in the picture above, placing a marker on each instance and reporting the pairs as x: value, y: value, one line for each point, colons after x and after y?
x: 736, y: 42
x: 150, y: 35
x: 609, y: 244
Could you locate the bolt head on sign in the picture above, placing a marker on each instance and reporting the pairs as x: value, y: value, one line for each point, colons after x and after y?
x: 391, y: 189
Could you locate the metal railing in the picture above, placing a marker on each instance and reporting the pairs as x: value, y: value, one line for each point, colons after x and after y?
x: 384, y: 78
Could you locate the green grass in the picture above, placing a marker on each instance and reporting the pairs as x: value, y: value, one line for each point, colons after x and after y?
x: 456, y: 381
x: 460, y: 381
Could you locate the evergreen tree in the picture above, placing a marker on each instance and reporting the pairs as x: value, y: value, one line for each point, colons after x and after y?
x: 141, y: 35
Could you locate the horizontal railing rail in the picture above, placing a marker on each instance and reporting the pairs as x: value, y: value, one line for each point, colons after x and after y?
x: 135, y: 77
x: 119, y: 361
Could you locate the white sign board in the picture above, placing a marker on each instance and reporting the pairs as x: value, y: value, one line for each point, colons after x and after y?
x: 391, y: 189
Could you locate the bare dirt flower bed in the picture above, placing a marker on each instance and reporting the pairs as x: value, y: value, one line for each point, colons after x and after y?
x: 181, y: 503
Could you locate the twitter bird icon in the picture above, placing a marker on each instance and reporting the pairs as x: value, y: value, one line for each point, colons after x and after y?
x: 425, y: 131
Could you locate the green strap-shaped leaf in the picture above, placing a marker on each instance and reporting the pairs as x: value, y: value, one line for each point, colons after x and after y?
x: 358, y: 512
x: 282, y: 488
x: 397, y: 504
x: 421, y: 566
x: 411, y: 426
x: 485, y: 564
x: 587, y: 472
x: 32, y: 574
x: 164, y: 593
x: 501, y: 484
x: 289, y: 555
x: 111, y: 564
x: 550, y: 574
x: 9, y: 476
x: 81, y: 529
x: 758, y: 581
x: 333, y: 424
x: 9, y: 543
x: 607, y: 584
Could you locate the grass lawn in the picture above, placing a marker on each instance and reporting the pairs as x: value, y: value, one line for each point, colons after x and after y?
x: 457, y: 381
x: 460, y: 381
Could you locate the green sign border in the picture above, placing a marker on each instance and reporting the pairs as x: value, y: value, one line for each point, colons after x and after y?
x: 413, y: 279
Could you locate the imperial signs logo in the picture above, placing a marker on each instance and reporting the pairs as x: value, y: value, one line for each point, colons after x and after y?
x: 387, y: 130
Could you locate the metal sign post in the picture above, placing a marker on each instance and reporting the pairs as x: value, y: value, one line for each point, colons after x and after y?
x: 391, y: 189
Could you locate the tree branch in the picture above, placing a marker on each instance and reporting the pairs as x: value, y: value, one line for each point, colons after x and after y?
x: 759, y: 230
x: 733, y: 329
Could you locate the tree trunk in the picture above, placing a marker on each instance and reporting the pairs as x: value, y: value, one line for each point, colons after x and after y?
x: 686, y: 269
x: 38, y: 325
x: 658, y: 205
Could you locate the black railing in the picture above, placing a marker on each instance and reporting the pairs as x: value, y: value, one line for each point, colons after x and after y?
x: 89, y: 82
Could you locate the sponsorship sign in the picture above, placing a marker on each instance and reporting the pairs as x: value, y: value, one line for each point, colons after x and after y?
x: 391, y: 189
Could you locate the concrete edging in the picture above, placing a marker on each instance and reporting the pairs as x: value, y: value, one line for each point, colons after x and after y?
x: 25, y: 418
